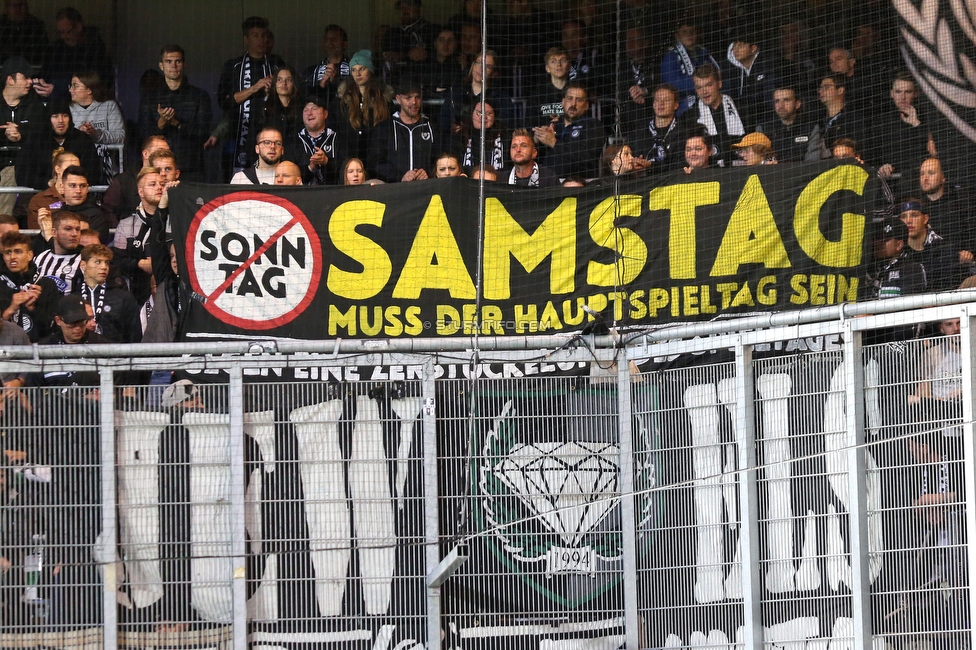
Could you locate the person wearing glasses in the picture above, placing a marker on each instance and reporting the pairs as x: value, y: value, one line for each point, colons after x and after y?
x: 270, y: 148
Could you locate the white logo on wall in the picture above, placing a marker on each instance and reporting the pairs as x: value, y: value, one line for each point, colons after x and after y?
x: 935, y: 50
x: 255, y: 258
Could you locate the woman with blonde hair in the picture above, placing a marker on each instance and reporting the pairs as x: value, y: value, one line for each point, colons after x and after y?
x: 52, y: 197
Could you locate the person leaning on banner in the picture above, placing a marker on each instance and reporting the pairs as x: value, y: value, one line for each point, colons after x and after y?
x: 755, y: 149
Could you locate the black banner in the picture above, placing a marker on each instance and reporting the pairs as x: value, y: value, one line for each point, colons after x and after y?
x: 407, y: 260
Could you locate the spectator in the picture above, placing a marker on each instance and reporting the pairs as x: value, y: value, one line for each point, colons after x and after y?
x: 894, y: 274
x: 637, y: 74
x: 680, y: 62
x: 316, y: 146
x: 797, y: 71
x: 77, y: 199
x: 494, y: 139
x: 477, y: 86
x: 586, y: 63
x: 270, y: 148
x: 794, y: 138
x: 26, y: 116
x: 846, y: 148
x: 364, y: 102
x: 53, y: 197
x: 485, y: 172
x: 443, y: 70
x: 114, y: 310
x: 413, y: 40
x: 132, y: 245
x: 122, y: 195
x: 928, y: 248
x: 525, y: 171
x: 447, y: 165
x: 8, y: 223
x: 324, y: 77
x: 164, y: 161
x: 72, y: 318
x: 34, y: 160
x: 755, y: 149
x: 547, y: 105
x: 698, y: 152
x: 353, y: 172
x: 26, y: 299
x: 59, y: 260
x: 403, y: 146
x: 283, y: 108
x: 750, y: 77
x: 659, y: 139
x: 244, y: 85
x: 862, y: 90
x: 948, y: 210
x: 77, y: 47
x: 573, y: 144
x: 618, y: 160
x: 716, y: 112
x: 287, y: 173
x: 21, y: 33
x: 901, y: 137
x: 101, y: 119
x: 839, y: 119
x: 179, y: 112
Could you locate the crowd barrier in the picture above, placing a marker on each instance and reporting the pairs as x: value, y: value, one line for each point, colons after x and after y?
x: 803, y: 484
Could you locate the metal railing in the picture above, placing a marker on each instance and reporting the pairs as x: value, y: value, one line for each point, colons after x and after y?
x: 788, y: 478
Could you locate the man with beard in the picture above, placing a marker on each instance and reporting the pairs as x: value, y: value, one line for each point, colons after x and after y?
x: 25, y: 299
x: 62, y: 256
x: 179, y: 112
x: 316, y: 145
x: 34, y: 161
x: 244, y: 85
x: 114, y: 310
x: 659, y: 140
x: 574, y: 142
x: 404, y: 145
x: 525, y: 171
x: 948, y: 209
x: 270, y: 148
x: 716, y: 112
x: 132, y: 241
x: 794, y: 138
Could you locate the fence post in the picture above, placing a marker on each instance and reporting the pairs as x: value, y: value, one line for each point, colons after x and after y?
x: 857, y: 488
x: 109, y: 536
x: 968, y: 350
x: 628, y: 515
x: 235, y: 403
x: 745, y: 415
x: 431, y: 528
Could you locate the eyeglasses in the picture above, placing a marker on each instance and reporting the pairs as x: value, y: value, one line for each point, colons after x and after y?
x: 78, y: 86
x: 825, y: 86
x: 271, y: 143
x: 78, y: 323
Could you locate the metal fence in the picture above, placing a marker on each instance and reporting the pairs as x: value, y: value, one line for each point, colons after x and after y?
x: 801, y: 485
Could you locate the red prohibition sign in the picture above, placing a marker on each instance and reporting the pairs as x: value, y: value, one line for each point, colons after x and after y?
x: 255, y: 258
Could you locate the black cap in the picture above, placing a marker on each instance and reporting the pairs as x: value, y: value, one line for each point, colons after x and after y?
x: 318, y: 100
x: 16, y: 64
x: 58, y: 106
x: 893, y: 228
x: 409, y: 3
x: 71, y: 309
x: 408, y: 86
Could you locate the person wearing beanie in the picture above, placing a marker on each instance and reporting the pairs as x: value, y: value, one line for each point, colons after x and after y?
x: 363, y: 102
x: 34, y: 160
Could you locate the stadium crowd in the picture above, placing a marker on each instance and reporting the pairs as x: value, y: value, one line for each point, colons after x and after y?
x: 704, y: 94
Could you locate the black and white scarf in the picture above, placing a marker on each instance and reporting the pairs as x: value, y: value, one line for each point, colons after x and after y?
x: 533, y: 178
x: 733, y: 123
x: 324, y: 141
x: 319, y: 71
x: 687, y: 67
x: 96, y: 298
x: 245, y: 81
x: 658, y: 150
x: 495, y: 152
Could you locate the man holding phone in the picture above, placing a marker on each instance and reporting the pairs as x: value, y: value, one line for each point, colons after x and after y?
x: 179, y: 112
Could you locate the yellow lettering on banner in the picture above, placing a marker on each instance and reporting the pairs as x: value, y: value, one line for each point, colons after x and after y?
x: 526, y: 319
x: 751, y: 236
x: 817, y: 289
x: 368, y: 328
x: 414, y: 327
x: 706, y: 301
x: 505, y: 238
x: 434, y: 261
x: 448, y: 320
x: 847, y: 288
x: 657, y: 299
x: 690, y: 299
x: 638, y: 309
x: 743, y: 297
x: 681, y: 201
x: 766, y: 296
x: 571, y: 318
x: 345, y: 320
x: 550, y: 318
x: 798, y: 284
x: 806, y: 221
x: 630, y: 249
x: 377, y: 267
